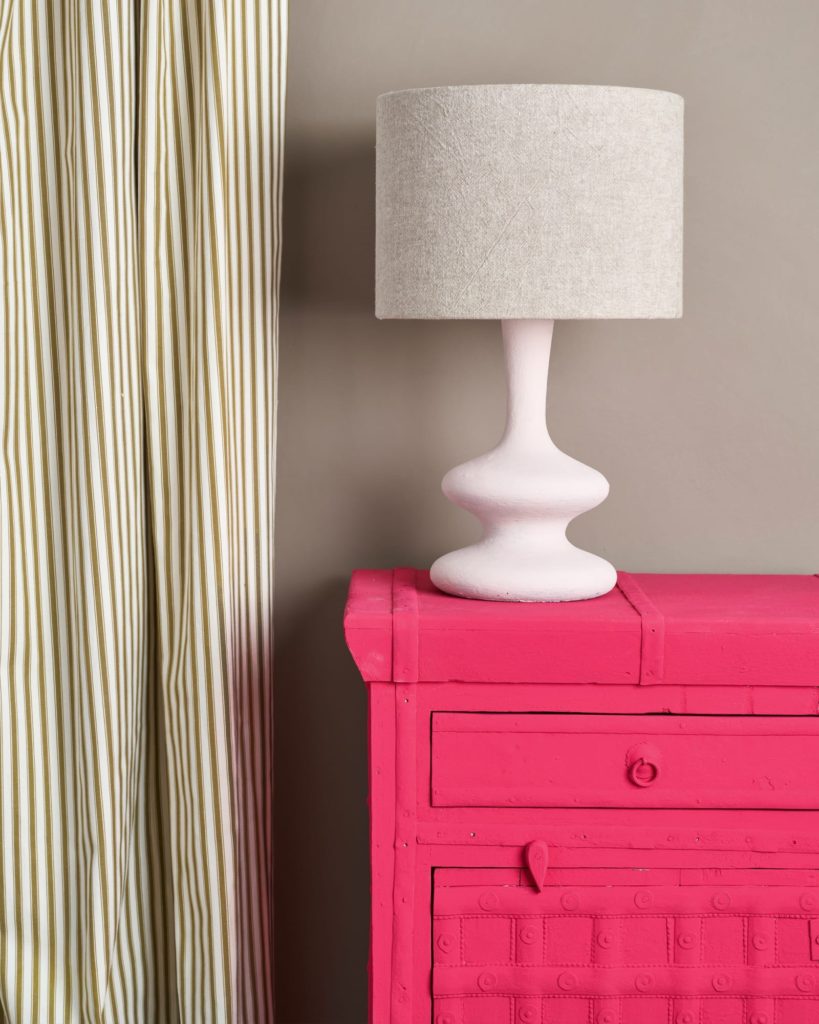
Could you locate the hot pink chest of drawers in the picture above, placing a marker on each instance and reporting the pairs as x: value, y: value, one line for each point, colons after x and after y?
x: 604, y: 812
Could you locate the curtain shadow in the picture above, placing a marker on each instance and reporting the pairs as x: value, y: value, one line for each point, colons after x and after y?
x: 329, y: 226
x: 322, y: 874
x: 321, y: 820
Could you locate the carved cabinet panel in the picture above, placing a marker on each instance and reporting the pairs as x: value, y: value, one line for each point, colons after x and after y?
x: 633, y: 946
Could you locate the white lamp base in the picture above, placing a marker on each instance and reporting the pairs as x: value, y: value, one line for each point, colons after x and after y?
x: 525, y: 492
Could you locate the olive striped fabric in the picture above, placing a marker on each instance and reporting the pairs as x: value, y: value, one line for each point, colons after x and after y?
x: 140, y: 196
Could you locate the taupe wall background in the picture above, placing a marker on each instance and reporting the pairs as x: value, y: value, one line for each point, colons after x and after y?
x: 707, y: 428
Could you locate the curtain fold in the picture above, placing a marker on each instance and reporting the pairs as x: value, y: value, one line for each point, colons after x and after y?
x: 140, y: 199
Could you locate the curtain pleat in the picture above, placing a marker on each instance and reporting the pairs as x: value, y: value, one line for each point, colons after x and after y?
x: 140, y: 209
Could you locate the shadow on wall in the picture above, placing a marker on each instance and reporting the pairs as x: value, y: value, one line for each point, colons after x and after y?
x: 322, y: 880
x: 322, y: 875
x: 329, y: 227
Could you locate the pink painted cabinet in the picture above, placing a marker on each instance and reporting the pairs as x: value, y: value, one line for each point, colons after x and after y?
x: 604, y: 812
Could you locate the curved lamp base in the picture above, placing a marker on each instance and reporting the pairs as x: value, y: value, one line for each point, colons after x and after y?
x: 525, y: 492
x: 498, y: 570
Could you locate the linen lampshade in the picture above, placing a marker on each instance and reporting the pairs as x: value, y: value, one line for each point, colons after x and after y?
x: 529, y: 201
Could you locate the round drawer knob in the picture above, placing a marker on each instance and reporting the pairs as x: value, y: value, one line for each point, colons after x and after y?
x: 643, y: 765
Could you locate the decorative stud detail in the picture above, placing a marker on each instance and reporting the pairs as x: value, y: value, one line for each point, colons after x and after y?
x: 488, y: 900
x: 721, y: 901
x: 721, y: 982
x: 570, y: 901
x: 804, y: 982
x: 444, y: 1018
x: 643, y: 982
x: 567, y: 981
x: 445, y: 943
x: 487, y: 981
x: 684, y: 1017
x: 643, y: 899
x: 686, y: 940
x: 759, y: 1018
x: 808, y: 901
x: 528, y: 934
x: 526, y: 1014
x: 760, y: 942
x: 606, y: 1017
x: 605, y: 940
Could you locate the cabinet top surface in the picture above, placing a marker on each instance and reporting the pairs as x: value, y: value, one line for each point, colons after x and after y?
x: 652, y: 628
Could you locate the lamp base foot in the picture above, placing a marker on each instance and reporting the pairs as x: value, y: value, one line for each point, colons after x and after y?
x: 501, y: 569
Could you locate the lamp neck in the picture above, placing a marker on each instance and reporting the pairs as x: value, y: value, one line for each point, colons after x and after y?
x: 527, y: 345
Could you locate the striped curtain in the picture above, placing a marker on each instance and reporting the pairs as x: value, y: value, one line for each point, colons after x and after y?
x: 140, y: 190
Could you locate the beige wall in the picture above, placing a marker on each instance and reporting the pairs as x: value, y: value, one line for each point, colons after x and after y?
x: 707, y: 428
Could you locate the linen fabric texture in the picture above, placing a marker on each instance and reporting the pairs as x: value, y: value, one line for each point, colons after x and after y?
x: 529, y: 201
x: 140, y: 186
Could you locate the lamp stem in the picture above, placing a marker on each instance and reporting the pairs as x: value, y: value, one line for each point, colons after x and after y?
x: 527, y: 345
x: 525, y: 492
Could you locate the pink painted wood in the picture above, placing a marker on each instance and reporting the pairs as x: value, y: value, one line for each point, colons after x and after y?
x: 603, y: 811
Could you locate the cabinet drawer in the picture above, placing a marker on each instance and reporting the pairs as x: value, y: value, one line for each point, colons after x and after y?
x: 559, y: 760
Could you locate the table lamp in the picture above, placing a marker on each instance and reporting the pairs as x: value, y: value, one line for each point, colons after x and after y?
x: 528, y: 204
